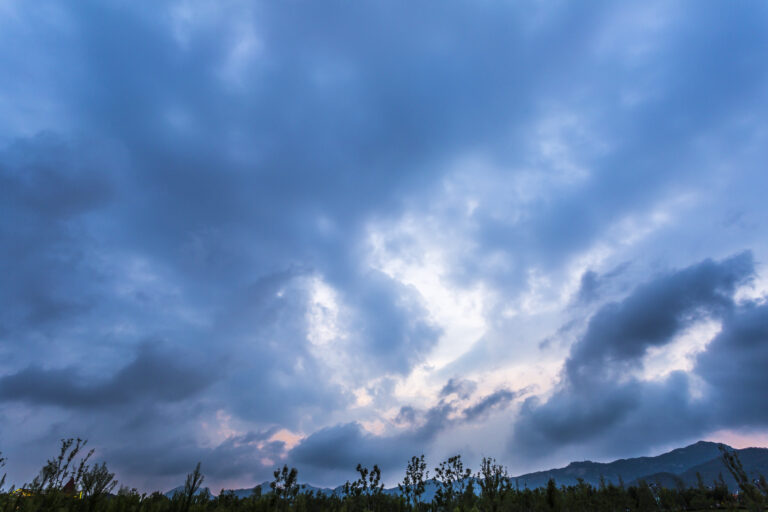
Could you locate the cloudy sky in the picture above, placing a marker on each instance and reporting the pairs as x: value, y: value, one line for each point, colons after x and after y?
x: 323, y: 233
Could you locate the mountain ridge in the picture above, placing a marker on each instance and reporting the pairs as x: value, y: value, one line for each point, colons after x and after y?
x: 668, y: 469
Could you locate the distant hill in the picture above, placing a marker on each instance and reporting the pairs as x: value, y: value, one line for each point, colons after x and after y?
x: 180, y: 488
x: 755, y: 461
x: 666, y: 469
x: 244, y: 493
x: 429, y: 492
x: 674, y: 462
x: 265, y: 488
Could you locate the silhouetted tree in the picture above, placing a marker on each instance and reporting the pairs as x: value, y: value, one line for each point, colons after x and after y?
x: 97, y: 482
x: 751, y: 492
x: 63, y: 469
x: 185, y: 497
x: 414, y: 482
x: 553, y: 501
x: 365, y: 492
x: 285, y: 487
x: 451, y: 477
x: 493, y: 480
x: 2, y: 465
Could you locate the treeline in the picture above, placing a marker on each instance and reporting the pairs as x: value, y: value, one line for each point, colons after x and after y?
x: 68, y: 482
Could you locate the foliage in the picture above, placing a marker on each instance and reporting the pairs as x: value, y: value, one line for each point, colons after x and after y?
x: 494, y: 481
x: 414, y: 482
x: 754, y: 492
x: 285, y: 486
x: 63, y: 469
x: 2, y: 478
x: 453, y: 479
x: 488, y: 490
x: 186, y: 497
x: 365, y: 492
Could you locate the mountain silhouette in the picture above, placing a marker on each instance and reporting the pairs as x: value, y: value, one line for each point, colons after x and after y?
x: 674, y: 468
x: 674, y: 462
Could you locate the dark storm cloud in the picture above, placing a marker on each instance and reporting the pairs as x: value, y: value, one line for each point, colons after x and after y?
x: 688, y: 68
x: 46, y: 187
x: 592, y: 283
x: 496, y: 400
x: 611, y: 418
x: 344, y: 446
x: 463, y: 388
x: 621, y: 332
x: 588, y: 286
x: 600, y: 403
x: 271, y: 374
x: 734, y: 367
x: 340, y: 448
x: 407, y: 414
x: 393, y: 327
x: 152, y: 376
x: 192, y: 205
x: 335, y: 451
x: 251, y: 455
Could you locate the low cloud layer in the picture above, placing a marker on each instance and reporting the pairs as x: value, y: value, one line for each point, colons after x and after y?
x: 330, y: 453
x: 151, y: 376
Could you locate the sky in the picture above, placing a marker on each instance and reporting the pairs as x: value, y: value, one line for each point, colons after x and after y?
x: 328, y: 233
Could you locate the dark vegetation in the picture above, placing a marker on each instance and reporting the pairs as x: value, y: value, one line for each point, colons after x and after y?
x: 68, y: 482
